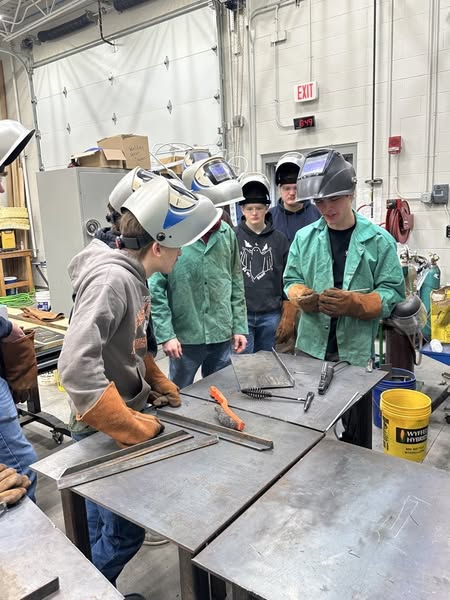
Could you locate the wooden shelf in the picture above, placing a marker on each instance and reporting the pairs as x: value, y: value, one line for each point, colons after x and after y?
x: 16, y: 263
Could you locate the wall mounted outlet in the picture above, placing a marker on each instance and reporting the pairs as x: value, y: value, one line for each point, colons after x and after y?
x: 447, y: 231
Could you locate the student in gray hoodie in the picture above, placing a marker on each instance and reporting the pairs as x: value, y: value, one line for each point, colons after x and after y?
x: 104, y: 364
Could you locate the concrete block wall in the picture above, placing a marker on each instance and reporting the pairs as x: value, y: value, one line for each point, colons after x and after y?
x: 341, y: 48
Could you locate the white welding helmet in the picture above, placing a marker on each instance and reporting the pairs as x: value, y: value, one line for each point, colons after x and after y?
x: 255, y: 188
x: 130, y: 183
x: 194, y: 155
x: 13, y: 139
x: 215, y: 179
x: 170, y: 214
x: 287, y: 168
x: 409, y: 316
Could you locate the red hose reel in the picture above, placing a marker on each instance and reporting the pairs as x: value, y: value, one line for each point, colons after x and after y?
x: 399, y: 220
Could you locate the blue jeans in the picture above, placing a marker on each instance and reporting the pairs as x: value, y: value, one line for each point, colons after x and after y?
x: 15, y: 450
x: 211, y: 357
x: 114, y: 540
x: 261, y: 331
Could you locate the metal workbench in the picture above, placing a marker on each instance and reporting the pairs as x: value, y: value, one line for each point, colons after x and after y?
x: 33, y: 552
x: 189, y: 499
x: 323, y: 410
x: 343, y: 523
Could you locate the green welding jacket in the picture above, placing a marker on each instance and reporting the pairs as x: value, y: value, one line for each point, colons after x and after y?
x: 372, y: 263
x: 202, y: 300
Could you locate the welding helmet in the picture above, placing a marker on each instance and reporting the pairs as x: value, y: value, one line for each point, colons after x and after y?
x: 195, y: 155
x: 409, y: 316
x: 215, y: 179
x: 13, y: 139
x: 170, y: 214
x: 131, y: 182
x: 287, y: 168
x: 255, y: 188
x: 325, y: 174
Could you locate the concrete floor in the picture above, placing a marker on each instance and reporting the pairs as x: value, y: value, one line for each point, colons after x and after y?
x: 154, y: 570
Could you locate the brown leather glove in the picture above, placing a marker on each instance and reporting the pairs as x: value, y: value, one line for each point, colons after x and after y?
x: 285, y: 329
x: 126, y: 426
x: 304, y: 298
x: 12, y: 485
x: 20, y: 367
x: 163, y: 391
x: 344, y: 303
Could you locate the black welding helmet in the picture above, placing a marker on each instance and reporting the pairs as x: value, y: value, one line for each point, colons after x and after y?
x: 288, y: 167
x: 325, y: 174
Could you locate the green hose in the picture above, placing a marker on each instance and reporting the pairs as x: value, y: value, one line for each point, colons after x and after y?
x: 18, y: 300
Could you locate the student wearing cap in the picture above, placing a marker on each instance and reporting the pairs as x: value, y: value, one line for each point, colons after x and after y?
x: 263, y: 252
x: 288, y: 216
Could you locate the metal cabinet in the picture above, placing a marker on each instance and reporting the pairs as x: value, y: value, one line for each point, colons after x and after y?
x: 72, y: 205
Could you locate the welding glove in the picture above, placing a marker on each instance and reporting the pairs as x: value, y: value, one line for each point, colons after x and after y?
x: 163, y: 390
x: 20, y: 366
x: 344, y: 303
x: 126, y: 426
x: 304, y: 298
x: 13, y: 486
x: 285, y: 329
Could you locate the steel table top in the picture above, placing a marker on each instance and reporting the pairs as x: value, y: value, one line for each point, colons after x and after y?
x: 344, y: 522
x: 190, y: 497
x: 33, y: 552
x: 323, y: 410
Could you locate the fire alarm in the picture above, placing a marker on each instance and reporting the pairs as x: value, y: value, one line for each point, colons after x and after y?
x: 395, y: 144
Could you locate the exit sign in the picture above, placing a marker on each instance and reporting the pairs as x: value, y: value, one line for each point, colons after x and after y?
x: 304, y: 122
x: 304, y: 92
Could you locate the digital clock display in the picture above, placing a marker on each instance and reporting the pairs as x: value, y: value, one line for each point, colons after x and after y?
x: 304, y: 122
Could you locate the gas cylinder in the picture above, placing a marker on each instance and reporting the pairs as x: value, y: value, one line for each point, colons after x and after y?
x: 431, y: 281
x: 409, y: 271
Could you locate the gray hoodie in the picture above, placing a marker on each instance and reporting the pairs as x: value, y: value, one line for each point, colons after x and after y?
x: 106, y: 340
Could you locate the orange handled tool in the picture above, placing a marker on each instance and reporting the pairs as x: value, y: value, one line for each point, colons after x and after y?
x: 230, y: 420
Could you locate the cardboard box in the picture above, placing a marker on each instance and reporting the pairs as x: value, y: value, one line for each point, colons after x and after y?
x: 8, y: 239
x: 440, y: 314
x: 173, y: 161
x: 134, y: 147
x: 98, y: 157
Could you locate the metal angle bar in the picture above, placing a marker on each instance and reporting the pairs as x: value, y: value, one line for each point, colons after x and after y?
x: 119, y: 459
x: 229, y: 435
x: 140, y: 461
x: 283, y: 366
x: 356, y: 396
x: 44, y: 591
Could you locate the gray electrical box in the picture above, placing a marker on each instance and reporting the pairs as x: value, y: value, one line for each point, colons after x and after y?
x: 439, y: 195
x: 72, y: 206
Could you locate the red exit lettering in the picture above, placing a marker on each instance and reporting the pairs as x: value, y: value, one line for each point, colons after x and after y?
x: 305, y: 91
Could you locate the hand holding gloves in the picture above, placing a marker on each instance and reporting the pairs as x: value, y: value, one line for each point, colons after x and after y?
x: 304, y: 298
x: 345, y: 303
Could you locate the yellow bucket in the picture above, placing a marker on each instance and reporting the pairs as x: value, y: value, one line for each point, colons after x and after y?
x: 405, y: 417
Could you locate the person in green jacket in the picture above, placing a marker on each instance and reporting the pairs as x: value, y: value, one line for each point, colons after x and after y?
x: 199, y: 311
x: 343, y: 271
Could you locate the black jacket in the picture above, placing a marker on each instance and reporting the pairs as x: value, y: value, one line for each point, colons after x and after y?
x: 290, y: 222
x: 263, y: 258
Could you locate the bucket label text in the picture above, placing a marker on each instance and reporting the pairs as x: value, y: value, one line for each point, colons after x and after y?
x: 411, y: 436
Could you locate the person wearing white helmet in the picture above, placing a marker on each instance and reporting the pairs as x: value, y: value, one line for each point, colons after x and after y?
x: 104, y: 364
x: 344, y: 275
x: 18, y: 371
x: 263, y: 253
x: 199, y: 309
x: 290, y: 214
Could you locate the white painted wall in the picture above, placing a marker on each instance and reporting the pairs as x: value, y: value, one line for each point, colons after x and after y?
x: 341, y: 49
